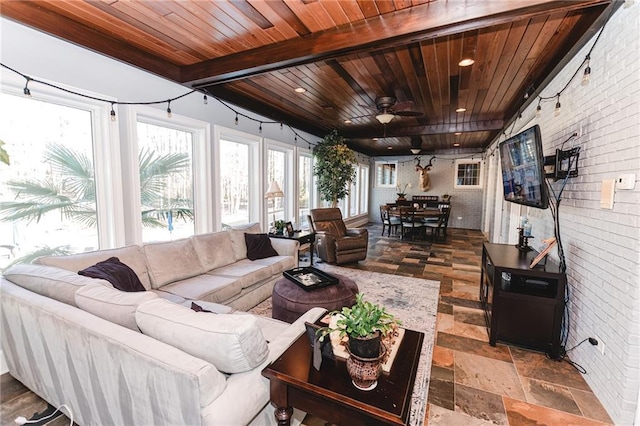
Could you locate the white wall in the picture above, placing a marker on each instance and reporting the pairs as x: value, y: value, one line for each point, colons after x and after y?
x: 602, y: 247
x: 466, y: 204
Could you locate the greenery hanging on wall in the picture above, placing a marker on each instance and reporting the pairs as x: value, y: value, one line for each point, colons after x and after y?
x: 335, y: 167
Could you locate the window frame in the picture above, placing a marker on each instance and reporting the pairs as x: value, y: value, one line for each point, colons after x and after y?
x: 463, y: 161
x: 105, y: 149
x: 201, y: 153
x: 394, y: 174
x: 289, y: 186
x: 256, y: 177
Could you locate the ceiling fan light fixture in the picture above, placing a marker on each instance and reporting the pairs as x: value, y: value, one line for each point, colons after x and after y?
x: 466, y: 62
x: 384, y: 118
x: 415, y: 151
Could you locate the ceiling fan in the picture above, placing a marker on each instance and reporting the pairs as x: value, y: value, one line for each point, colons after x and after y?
x: 387, y: 108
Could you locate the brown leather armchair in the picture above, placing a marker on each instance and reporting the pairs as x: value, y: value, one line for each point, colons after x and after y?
x: 334, y: 242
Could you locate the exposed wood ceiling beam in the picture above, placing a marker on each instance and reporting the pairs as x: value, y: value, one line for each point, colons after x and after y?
x: 435, y: 129
x: 427, y: 21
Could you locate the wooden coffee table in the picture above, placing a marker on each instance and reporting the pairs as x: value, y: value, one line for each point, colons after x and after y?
x: 329, y: 393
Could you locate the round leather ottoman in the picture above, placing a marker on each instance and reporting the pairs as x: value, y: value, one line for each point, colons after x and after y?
x: 290, y: 301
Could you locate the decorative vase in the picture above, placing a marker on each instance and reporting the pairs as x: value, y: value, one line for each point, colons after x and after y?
x: 364, y: 372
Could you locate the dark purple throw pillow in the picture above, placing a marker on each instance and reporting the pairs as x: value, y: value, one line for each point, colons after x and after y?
x: 117, y: 273
x: 199, y: 308
x: 259, y: 246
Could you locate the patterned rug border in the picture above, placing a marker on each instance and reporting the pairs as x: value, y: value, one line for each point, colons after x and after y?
x: 414, y: 301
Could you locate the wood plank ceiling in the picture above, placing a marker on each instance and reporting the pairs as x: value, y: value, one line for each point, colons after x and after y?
x: 345, y: 54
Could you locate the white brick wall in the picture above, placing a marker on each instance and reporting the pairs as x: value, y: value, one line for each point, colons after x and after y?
x: 464, y: 203
x: 602, y: 247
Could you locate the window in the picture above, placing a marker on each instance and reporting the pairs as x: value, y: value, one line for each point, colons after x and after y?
x: 364, y: 188
x: 48, y: 192
x: 235, y: 182
x: 236, y: 171
x: 166, y: 181
x: 386, y: 174
x: 305, y: 191
x: 276, y: 171
x: 357, y: 200
x: 468, y: 174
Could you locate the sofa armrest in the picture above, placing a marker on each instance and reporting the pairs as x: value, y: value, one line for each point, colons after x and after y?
x: 285, y: 247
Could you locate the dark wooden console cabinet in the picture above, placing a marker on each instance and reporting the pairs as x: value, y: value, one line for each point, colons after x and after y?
x: 522, y: 306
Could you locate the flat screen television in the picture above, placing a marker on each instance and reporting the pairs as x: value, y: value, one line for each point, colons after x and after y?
x: 523, y: 169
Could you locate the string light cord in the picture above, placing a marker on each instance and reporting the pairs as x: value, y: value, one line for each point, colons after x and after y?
x: 95, y: 98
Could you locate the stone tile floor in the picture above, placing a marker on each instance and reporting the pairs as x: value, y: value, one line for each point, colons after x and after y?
x: 472, y: 383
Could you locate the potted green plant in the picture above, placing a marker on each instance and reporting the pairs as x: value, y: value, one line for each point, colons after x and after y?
x: 364, y: 324
x: 335, y: 167
x: 279, y: 225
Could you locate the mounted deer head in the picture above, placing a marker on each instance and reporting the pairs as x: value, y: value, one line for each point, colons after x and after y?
x: 425, y: 180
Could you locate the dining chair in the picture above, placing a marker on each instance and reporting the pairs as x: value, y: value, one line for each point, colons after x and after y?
x: 439, y: 228
x: 388, y: 220
x: 410, y: 224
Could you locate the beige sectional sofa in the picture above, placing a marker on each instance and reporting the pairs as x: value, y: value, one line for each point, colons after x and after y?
x: 145, y: 357
x: 210, y: 267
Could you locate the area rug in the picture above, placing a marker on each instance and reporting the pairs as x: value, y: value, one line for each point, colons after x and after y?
x: 413, y: 300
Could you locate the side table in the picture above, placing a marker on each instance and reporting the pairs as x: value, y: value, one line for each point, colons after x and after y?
x: 303, y: 237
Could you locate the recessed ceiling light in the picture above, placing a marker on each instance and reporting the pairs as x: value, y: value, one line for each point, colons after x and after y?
x: 457, y: 133
x: 300, y: 90
x: 466, y: 62
x: 347, y: 121
x: 375, y: 139
x: 389, y: 147
x: 456, y: 144
x: 461, y: 110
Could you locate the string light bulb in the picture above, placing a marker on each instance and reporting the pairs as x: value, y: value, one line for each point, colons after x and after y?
x: 539, y: 108
x: 557, y: 110
x: 26, y: 90
x: 260, y: 127
x: 113, y: 113
x: 169, y: 109
x: 205, y: 100
x: 236, y: 121
x: 587, y: 72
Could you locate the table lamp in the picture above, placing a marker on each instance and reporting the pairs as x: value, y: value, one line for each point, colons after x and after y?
x: 273, y: 192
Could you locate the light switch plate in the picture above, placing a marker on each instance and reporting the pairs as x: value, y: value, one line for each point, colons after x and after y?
x: 626, y: 181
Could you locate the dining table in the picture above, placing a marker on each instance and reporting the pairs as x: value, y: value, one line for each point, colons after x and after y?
x: 420, y: 212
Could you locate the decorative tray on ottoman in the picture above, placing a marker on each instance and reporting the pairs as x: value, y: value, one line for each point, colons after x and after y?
x: 310, y: 278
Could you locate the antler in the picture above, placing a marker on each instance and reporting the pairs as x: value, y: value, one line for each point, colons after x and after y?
x: 427, y: 167
x: 431, y: 162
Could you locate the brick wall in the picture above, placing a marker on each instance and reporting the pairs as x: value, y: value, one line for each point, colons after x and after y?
x: 602, y: 247
x: 464, y: 203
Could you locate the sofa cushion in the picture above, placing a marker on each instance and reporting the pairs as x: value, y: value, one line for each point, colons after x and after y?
x: 172, y: 261
x: 213, y: 250
x: 210, y: 288
x: 130, y: 255
x: 277, y: 264
x: 259, y: 246
x: 56, y: 283
x: 238, y: 243
x: 246, y: 272
x: 117, y: 273
x: 232, y: 343
x: 112, y: 304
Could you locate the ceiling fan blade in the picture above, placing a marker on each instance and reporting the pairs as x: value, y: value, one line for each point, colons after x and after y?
x: 408, y: 113
x: 402, y: 105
